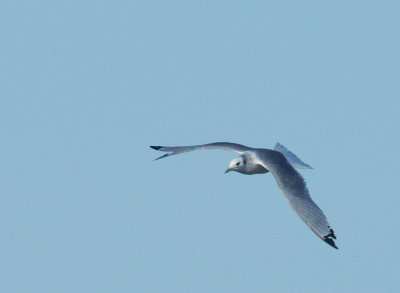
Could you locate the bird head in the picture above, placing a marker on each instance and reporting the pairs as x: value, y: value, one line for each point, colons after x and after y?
x: 237, y: 164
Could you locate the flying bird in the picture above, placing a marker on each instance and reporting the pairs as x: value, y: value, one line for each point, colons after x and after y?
x: 281, y: 163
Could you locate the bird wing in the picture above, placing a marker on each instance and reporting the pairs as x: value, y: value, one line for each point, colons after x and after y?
x: 292, y: 158
x: 294, y: 188
x: 216, y: 145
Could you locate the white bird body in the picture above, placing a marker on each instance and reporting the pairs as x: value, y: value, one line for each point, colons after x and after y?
x: 246, y: 163
x: 281, y: 163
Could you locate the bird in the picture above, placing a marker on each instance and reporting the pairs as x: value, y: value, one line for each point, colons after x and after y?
x: 281, y: 163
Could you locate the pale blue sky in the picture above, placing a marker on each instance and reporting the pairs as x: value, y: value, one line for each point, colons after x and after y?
x: 87, y: 86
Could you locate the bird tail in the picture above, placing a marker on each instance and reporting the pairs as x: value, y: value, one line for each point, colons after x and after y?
x: 292, y: 158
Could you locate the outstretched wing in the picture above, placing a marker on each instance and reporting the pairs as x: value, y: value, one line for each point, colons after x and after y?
x: 292, y: 158
x: 294, y: 188
x: 216, y: 145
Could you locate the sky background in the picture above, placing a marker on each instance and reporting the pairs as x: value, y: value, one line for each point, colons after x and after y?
x: 87, y: 86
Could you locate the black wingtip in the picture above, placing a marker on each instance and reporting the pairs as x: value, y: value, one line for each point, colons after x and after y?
x: 164, y: 156
x: 329, y: 240
x: 331, y: 233
x: 156, y: 147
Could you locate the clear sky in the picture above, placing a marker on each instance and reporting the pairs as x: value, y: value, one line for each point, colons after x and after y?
x: 87, y: 86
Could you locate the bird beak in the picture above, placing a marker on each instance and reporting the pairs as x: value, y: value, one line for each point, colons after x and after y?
x: 227, y: 170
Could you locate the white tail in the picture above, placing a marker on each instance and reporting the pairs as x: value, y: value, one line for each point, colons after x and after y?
x: 292, y: 158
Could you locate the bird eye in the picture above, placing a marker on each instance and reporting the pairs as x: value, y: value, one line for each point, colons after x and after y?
x: 237, y: 164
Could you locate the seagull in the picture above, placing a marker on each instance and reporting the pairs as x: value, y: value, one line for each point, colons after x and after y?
x: 281, y: 163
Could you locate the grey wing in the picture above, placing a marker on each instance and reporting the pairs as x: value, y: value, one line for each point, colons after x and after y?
x: 216, y: 145
x: 292, y: 158
x: 294, y: 188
